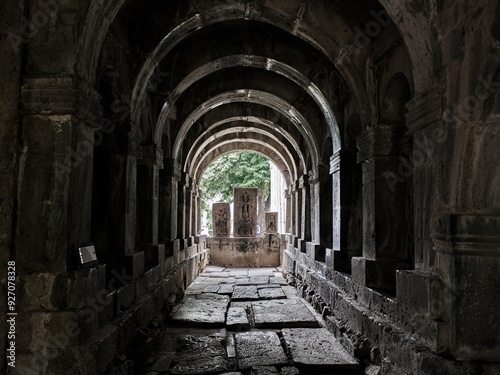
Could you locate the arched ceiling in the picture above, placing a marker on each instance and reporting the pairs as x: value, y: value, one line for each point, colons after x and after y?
x: 212, y: 74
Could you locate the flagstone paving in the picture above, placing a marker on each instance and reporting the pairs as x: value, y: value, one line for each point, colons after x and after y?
x: 247, y: 322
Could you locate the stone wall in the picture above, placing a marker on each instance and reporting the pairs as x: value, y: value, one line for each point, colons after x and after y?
x: 393, y: 334
x: 246, y: 252
x: 83, y: 322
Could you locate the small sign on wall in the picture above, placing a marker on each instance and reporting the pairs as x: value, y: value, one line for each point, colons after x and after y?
x: 87, y: 256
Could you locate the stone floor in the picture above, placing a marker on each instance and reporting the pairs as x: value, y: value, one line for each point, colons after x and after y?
x: 247, y: 321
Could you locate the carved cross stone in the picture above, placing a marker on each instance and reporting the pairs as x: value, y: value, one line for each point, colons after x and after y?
x: 245, y: 212
x: 271, y: 222
x: 221, y: 215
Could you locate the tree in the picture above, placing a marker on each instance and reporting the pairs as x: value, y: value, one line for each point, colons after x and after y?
x: 235, y: 170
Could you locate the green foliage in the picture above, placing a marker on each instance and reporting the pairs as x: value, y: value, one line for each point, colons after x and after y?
x: 239, y: 169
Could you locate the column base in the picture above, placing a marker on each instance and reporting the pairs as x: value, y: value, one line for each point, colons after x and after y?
x: 172, y: 248
x: 302, y: 245
x: 338, y: 260
x: 380, y: 274
x: 315, y: 252
x: 154, y: 255
x: 131, y: 265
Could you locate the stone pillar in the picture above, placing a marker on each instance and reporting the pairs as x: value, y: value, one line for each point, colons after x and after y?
x: 198, y: 214
x: 305, y: 218
x: 424, y: 121
x: 169, y: 182
x: 342, y: 169
x: 386, y: 240
x: 181, y: 205
x: 148, y: 206
x: 298, y: 210
x: 188, y: 200
x: 194, y: 211
x: 59, y: 117
x: 288, y: 212
x: 468, y: 264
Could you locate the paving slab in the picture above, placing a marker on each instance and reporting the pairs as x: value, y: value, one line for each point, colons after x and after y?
x: 245, y: 293
x: 290, y: 370
x: 264, y: 370
x: 271, y: 293
x: 317, y: 349
x: 262, y: 271
x: 218, y: 275
x: 268, y: 286
x: 226, y: 289
x: 204, y: 310
x: 200, y: 355
x: 290, y: 291
x: 289, y: 313
x: 211, y: 289
x: 162, y: 364
x: 237, y: 319
x: 259, y: 280
x: 259, y: 348
x: 214, y: 269
x: 242, y: 280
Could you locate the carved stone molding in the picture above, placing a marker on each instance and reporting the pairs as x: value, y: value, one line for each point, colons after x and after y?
x: 383, y: 140
x: 151, y: 155
x: 424, y: 110
x: 61, y: 96
x: 172, y: 168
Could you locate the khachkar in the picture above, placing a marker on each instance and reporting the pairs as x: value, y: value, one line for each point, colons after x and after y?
x: 271, y: 222
x: 245, y: 212
x: 221, y: 215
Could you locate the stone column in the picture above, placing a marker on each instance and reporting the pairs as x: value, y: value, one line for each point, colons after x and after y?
x: 147, y: 205
x: 198, y: 213
x: 169, y: 182
x: 59, y: 117
x: 181, y: 204
x: 305, y: 217
x: 386, y: 240
x: 188, y: 199
x: 424, y: 121
x: 342, y: 168
x: 298, y: 213
x: 194, y: 211
x: 468, y: 262
x: 288, y: 211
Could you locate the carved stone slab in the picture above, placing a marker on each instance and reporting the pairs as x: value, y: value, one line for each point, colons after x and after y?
x: 271, y: 222
x: 245, y: 212
x: 221, y: 216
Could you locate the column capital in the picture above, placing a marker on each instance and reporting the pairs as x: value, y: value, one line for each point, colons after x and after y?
x: 61, y: 95
x: 342, y: 159
x: 186, y: 180
x: 383, y: 140
x: 303, y: 181
x: 424, y: 109
x: 151, y: 154
x: 171, y: 168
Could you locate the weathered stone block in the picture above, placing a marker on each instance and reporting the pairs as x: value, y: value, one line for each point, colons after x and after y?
x: 271, y: 222
x: 245, y: 212
x: 221, y: 216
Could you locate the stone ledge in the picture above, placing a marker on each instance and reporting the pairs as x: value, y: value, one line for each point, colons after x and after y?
x: 362, y: 318
x: 112, y: 337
